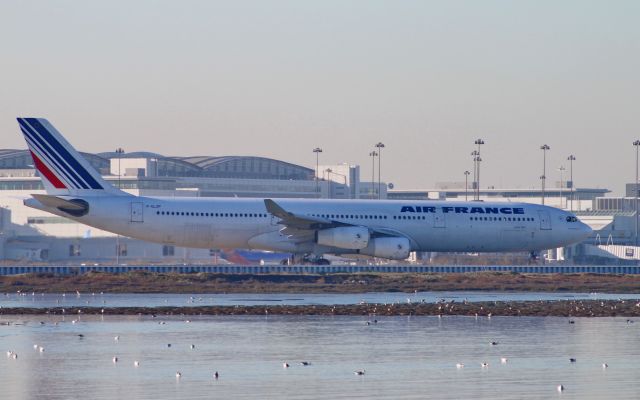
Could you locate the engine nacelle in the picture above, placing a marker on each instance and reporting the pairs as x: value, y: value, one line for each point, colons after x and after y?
x: 346, y: 237
x: 394, y: 248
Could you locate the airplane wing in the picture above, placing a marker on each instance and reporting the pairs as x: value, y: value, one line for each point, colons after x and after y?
x: 302, y: 227
x: 294, y: 221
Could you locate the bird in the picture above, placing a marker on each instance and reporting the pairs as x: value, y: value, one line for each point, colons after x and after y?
x: 459, y: 365
x: 136, y: 363
x: 305, y: 363
x: 35, y: 346
x: 116, y: 338
x: 14, y: 356
x: 41, y: 349
x: 572, y: 321
x: 493, y: 343
x: 216, y: 375
x: 285, y: 365
x: 572, y: 360
x: 504, y: 360
x: 484, y: 365
x: 605, y: 366
x: 178, y: 374
x: 80, y: 335
x: 168, y: 344
x: 359, y: 372
x: 193, y: 346
x: 560, y: 388
x: 114, y: 359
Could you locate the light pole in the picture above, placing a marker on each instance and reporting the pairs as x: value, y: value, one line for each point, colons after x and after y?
x: 317, y: 150
x: 479, y: 142
x: 544, y: 149
x: 373, y: 155
x: 119, y: 152
x: 466, y: 185
x: 380, y: 146
x: 561, y: 169
x: 475, y: 155
x: 329, y: 182
x: 571, y: 159
x: 636, y: 144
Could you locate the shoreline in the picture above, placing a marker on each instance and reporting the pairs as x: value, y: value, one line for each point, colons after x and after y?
x: 560, y: 308
x: 151, y: 282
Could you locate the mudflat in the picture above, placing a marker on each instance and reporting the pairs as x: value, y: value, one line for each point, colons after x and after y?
x: 148, y: 282
x: 563, y: 308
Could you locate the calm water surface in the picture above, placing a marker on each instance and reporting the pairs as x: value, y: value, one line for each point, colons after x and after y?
x: 404, y: 358
x: 179, y: 300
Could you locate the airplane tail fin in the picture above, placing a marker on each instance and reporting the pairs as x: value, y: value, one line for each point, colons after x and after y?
x: 62, y: 169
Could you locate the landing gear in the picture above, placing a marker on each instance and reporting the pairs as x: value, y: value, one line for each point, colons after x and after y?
x: 311, y: 259
x: 307, y: 259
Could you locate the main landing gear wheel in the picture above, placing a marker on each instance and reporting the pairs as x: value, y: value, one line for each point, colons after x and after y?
x: 311, y: 260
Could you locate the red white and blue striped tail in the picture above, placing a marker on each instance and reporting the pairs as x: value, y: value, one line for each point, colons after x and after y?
x: 62, y: 169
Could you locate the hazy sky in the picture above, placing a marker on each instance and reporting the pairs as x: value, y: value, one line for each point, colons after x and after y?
x: 278, y: 78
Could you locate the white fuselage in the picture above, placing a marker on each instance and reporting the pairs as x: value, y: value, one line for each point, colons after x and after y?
x: 442, y: 226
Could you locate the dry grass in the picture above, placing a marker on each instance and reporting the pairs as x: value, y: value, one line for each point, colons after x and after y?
x: 146, y: 282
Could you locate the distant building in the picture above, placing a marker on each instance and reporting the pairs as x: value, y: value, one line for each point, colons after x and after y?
x: 578, y: 199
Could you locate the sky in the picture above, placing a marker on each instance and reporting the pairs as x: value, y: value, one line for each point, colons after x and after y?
x: 279, y: 78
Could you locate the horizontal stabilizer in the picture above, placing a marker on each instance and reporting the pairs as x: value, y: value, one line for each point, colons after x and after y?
x: 75, y: 207
x: 53, y: 201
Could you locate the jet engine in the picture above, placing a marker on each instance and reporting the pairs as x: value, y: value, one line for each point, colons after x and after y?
x: 346, y: 237
x: 394, y: 248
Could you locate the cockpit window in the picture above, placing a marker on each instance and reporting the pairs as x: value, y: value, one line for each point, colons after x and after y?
x: 571, y: 218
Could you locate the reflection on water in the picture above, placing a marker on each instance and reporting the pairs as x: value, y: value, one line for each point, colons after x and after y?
x: 180, y: 300
x: 404, y: 357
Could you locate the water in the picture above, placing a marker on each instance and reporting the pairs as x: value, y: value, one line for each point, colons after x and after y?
x: 404, y: 358
x: 180, y: 300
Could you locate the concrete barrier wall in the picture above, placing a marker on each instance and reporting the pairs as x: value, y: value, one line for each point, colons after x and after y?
x: 322, y: 269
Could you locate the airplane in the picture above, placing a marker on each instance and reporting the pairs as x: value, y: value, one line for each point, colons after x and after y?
x: 305, y: 228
